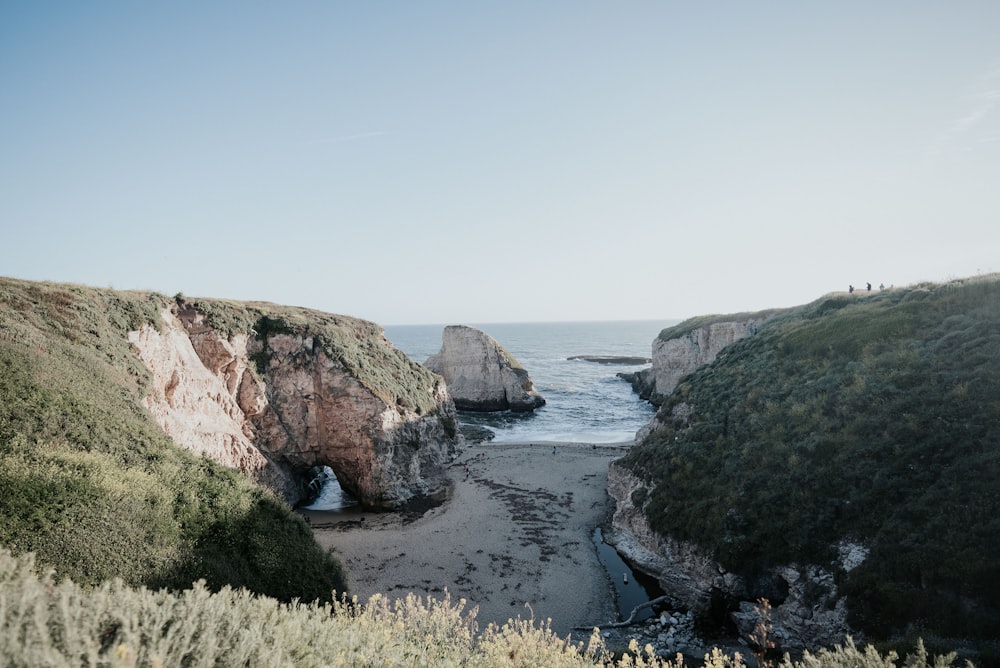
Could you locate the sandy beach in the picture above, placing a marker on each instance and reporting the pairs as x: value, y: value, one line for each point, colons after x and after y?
x: 518, y: 529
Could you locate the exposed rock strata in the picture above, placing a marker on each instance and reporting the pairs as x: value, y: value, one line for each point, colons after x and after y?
x: 677, y: 357
x: 480, y: 374
x: 205, y: 402
x: 276, y: 405
x: 807, y: 608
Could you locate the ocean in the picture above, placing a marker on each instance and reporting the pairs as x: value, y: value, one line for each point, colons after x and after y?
x: 585, y: 401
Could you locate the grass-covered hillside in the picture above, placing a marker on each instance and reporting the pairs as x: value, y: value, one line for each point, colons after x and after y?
x: 873, y: 417
x: 96, y: 490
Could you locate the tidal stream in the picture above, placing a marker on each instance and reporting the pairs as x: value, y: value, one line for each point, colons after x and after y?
x: 632, y: 588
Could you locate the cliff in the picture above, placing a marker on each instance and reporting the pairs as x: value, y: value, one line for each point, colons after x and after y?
x: 681, y: 349
x: 480, y: 374
x: 91, y: 483
x: 274, y: 391
x: 834, y: 463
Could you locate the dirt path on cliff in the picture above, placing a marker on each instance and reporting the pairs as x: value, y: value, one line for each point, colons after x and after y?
x: 518, y: 529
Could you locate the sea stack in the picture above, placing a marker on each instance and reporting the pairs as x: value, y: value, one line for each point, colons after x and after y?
x: 480, y: 374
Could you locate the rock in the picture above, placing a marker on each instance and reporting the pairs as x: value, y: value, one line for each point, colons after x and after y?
x: 613, y: 359
x: 199, y: 405
x: 677, y: 357
x: 480, y: 374
x: 851, y: 555
x: 684, y: 571
x: 276, y: 405
x: 643, y: 383
x: 808, y: 611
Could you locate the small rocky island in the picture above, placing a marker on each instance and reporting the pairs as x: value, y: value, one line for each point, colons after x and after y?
x: 480, y: 374
x: 625, y: 360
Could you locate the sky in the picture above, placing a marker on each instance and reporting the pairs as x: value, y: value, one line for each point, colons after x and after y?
x: 472, y: 162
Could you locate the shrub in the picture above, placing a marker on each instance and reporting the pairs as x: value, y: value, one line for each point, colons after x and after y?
x: 43, y: 622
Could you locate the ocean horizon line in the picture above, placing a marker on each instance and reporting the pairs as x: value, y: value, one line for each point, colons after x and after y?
x: 532, y: 322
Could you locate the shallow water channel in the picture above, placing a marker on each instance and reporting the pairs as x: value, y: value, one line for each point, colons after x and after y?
x: 632, y: 588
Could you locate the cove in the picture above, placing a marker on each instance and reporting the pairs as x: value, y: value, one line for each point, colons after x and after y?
x: 632, y: 588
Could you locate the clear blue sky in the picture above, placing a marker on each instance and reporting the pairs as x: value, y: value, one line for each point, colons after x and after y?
x: 455, y: 162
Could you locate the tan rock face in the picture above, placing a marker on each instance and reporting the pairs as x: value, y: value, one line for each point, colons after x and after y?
x: 197, y: 405
x: 298, y: 410
x: 676, y: 358
x: 318, y: 414
x: 480, y: 374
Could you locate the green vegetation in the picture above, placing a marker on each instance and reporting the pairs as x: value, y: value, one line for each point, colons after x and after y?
x: 871, y: 418
x: 883, y: 438
x: 45, y: 623
x: 93, y: 487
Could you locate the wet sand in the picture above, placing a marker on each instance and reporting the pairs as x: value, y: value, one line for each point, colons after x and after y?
x: 518, y: 529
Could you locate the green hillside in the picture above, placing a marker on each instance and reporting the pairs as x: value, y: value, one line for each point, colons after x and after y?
x: 96, y: 490
x: 872, y: 417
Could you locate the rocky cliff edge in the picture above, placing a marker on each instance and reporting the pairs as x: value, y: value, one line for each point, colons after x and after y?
x: 274, y: 392
x: 681, y: 349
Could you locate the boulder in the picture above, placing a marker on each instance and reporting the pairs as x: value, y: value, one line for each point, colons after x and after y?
x: 480, y: 374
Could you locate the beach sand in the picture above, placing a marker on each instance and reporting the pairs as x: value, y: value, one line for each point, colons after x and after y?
x: 517, y: 529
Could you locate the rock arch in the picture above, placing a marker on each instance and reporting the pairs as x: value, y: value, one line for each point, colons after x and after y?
x: 276, y: 406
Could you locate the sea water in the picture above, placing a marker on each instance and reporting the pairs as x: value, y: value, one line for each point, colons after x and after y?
x: 585, y: 402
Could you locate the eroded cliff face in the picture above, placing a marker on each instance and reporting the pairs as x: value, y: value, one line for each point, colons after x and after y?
x: 205, y: 402
x: 275, y: 406
x: 807, y: 610
x: 480, y: 374
x: 677, y: 357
